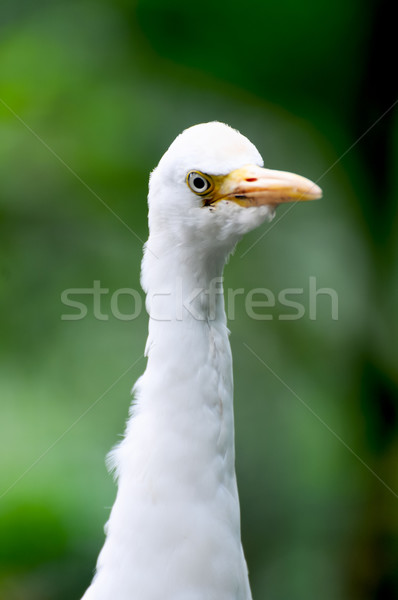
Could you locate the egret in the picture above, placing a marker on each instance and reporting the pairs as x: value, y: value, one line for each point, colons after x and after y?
x: 174, y: 529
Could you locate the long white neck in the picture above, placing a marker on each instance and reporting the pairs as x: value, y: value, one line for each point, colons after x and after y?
x: 174, y: 530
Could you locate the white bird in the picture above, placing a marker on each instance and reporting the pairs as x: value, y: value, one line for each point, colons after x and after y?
x: 174, y: 529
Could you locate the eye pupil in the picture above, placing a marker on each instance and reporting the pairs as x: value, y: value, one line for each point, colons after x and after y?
x: 199, y: 183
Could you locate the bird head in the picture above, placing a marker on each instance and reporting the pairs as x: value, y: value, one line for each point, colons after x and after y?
x: 211, y: 185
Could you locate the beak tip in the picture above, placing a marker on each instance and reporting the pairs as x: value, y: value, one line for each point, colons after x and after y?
x: 317, y: 191
x: 311, y: 191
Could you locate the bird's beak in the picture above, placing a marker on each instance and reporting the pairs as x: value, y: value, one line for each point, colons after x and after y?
x: 254, y: 186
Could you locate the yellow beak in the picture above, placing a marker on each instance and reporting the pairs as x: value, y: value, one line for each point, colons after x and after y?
x: 254, y: 186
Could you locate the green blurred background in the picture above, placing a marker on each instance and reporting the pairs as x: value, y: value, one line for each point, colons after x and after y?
x: 91, y: 95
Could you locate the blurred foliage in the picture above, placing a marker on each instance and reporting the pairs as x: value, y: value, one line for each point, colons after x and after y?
x: 91, y: 95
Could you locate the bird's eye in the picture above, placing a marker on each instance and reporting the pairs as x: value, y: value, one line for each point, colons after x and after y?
x: 199, y: 183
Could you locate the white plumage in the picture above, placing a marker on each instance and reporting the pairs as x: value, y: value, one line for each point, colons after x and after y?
x: 174, y: 530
